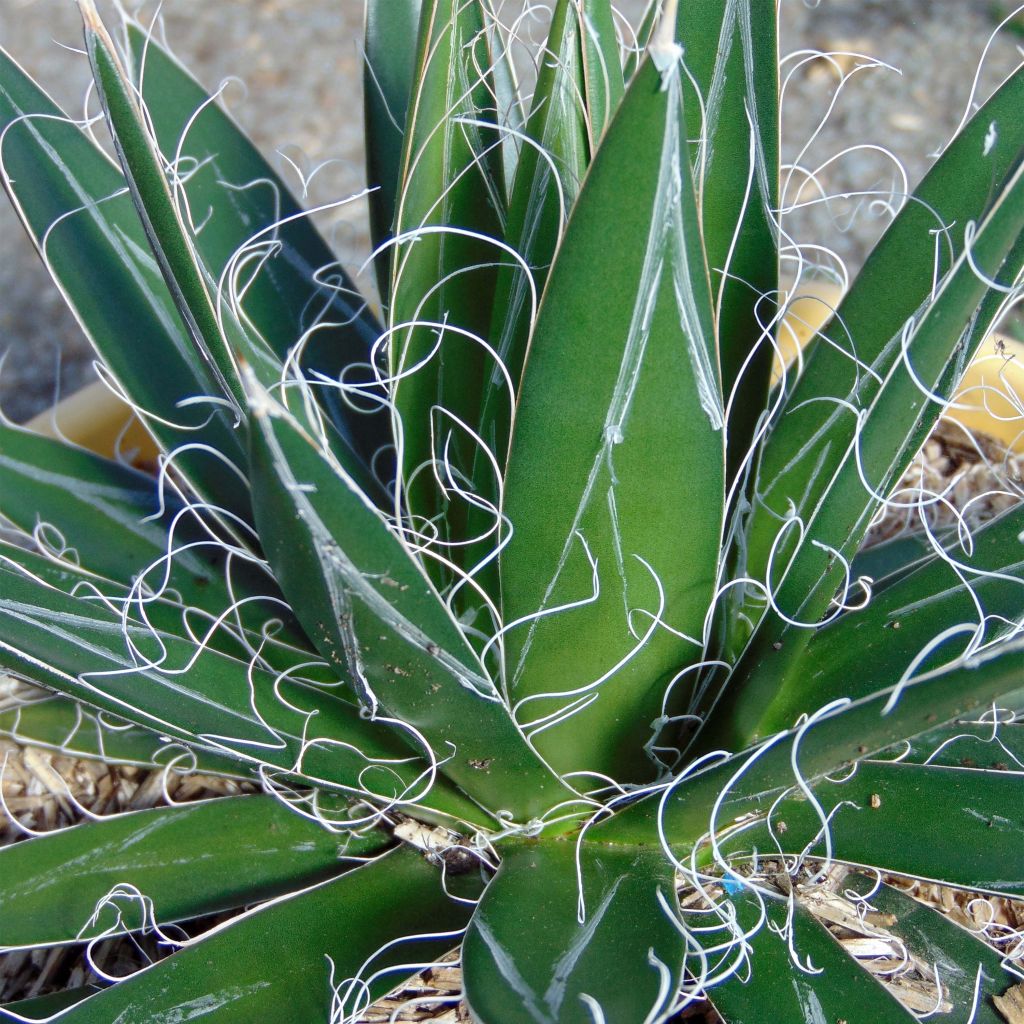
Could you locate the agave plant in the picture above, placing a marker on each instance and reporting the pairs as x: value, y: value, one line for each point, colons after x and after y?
x: 524, y: 598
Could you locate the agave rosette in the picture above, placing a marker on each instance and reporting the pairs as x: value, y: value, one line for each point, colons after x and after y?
x: 527, y: 599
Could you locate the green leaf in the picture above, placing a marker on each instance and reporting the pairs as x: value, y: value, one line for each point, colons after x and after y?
x: 449, y: 210
x: 900, y: 418
x: 992, y: 737
x: 109, y: 513
x: 947, y: 608
x: 161, y: 217
x: 622, y: 359
x: 55, y: 887
x: 731, y: 51
x: 260, y: 252
x: 73, y: 202
x: 113, y: 522
x: 58, y: 723
x: 291, y: 730
x: 644, y: 31
x: 887, y: 814
x: 810, y: 468
x: 891, y: 560
x: 828, y: 985
x: 117, y: 524
x: 510, y: 115
x: 373, y: 614
x: 547, y: 182
x: 955, y: 953
x: 714, y: 793
x: 533, y: 955
x: 578, y: 84
x: 602, y: 67
x: 42, y: 1008
x: 240, y: 632
x: 546, y: 185
x: 818, y: 541
x: 389, y: 65
x: 283, y: 961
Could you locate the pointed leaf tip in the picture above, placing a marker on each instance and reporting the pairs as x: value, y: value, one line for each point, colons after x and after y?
x: 665, y: 52
x: 91, y: 17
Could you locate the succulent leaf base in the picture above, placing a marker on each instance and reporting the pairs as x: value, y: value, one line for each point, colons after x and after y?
x: 531, y: 596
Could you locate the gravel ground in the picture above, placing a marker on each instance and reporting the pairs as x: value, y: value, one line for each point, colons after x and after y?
x: 300, y: 63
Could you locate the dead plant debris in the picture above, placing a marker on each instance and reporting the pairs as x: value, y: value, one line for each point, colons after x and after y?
x: 978, y: 477
x: 1011, y: 1004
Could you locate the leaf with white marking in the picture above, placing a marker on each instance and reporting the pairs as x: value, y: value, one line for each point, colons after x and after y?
x: 868, y: 394
x: 261, y: 254
x: 610, y: 567
x: 444, y: 265
x: 535, y: 954
x: 75, y: 206
x: 747, y: 783
x: 832, y: 988
x: 372, y: 612
x: 732, y: 53
x: 205, y: 699
x: 949, y: 607
x: 38, y: 718
x: 123, y: 872
x: 282, y: 961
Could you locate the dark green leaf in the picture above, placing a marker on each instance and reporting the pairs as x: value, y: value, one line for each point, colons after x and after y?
x: 716, y: 795
x: 808, y: 470
x: 241, y: 633
x: 284, y: 961
x: 80, y: 648
x: 602, y: 67
x: 820, y: 537
x: 372, y: 612
x: 445, y: 263
x: 261, y: 254
x: 112, y: 522
x: 389, y: 64
x: 622, y: 359
x: 547, y: 183
x: 644, y: 30
x: 74, y: 204
x: 947, y: 608
x: 511, y: 118
x: 161, y: 217
x: 55, y: 888
x: 529, y: 958
x: 827, y: 986
x: 115, y: 523
x: 955, y: 953
x: 887, y: 815
x: 992, y: 737
x: 41, y: 1008
x: 731, y: 50
x: 889, y: 561
x: 42, y: 719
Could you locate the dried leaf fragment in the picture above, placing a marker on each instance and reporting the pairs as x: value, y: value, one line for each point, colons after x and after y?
x: 1011, y: 1004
